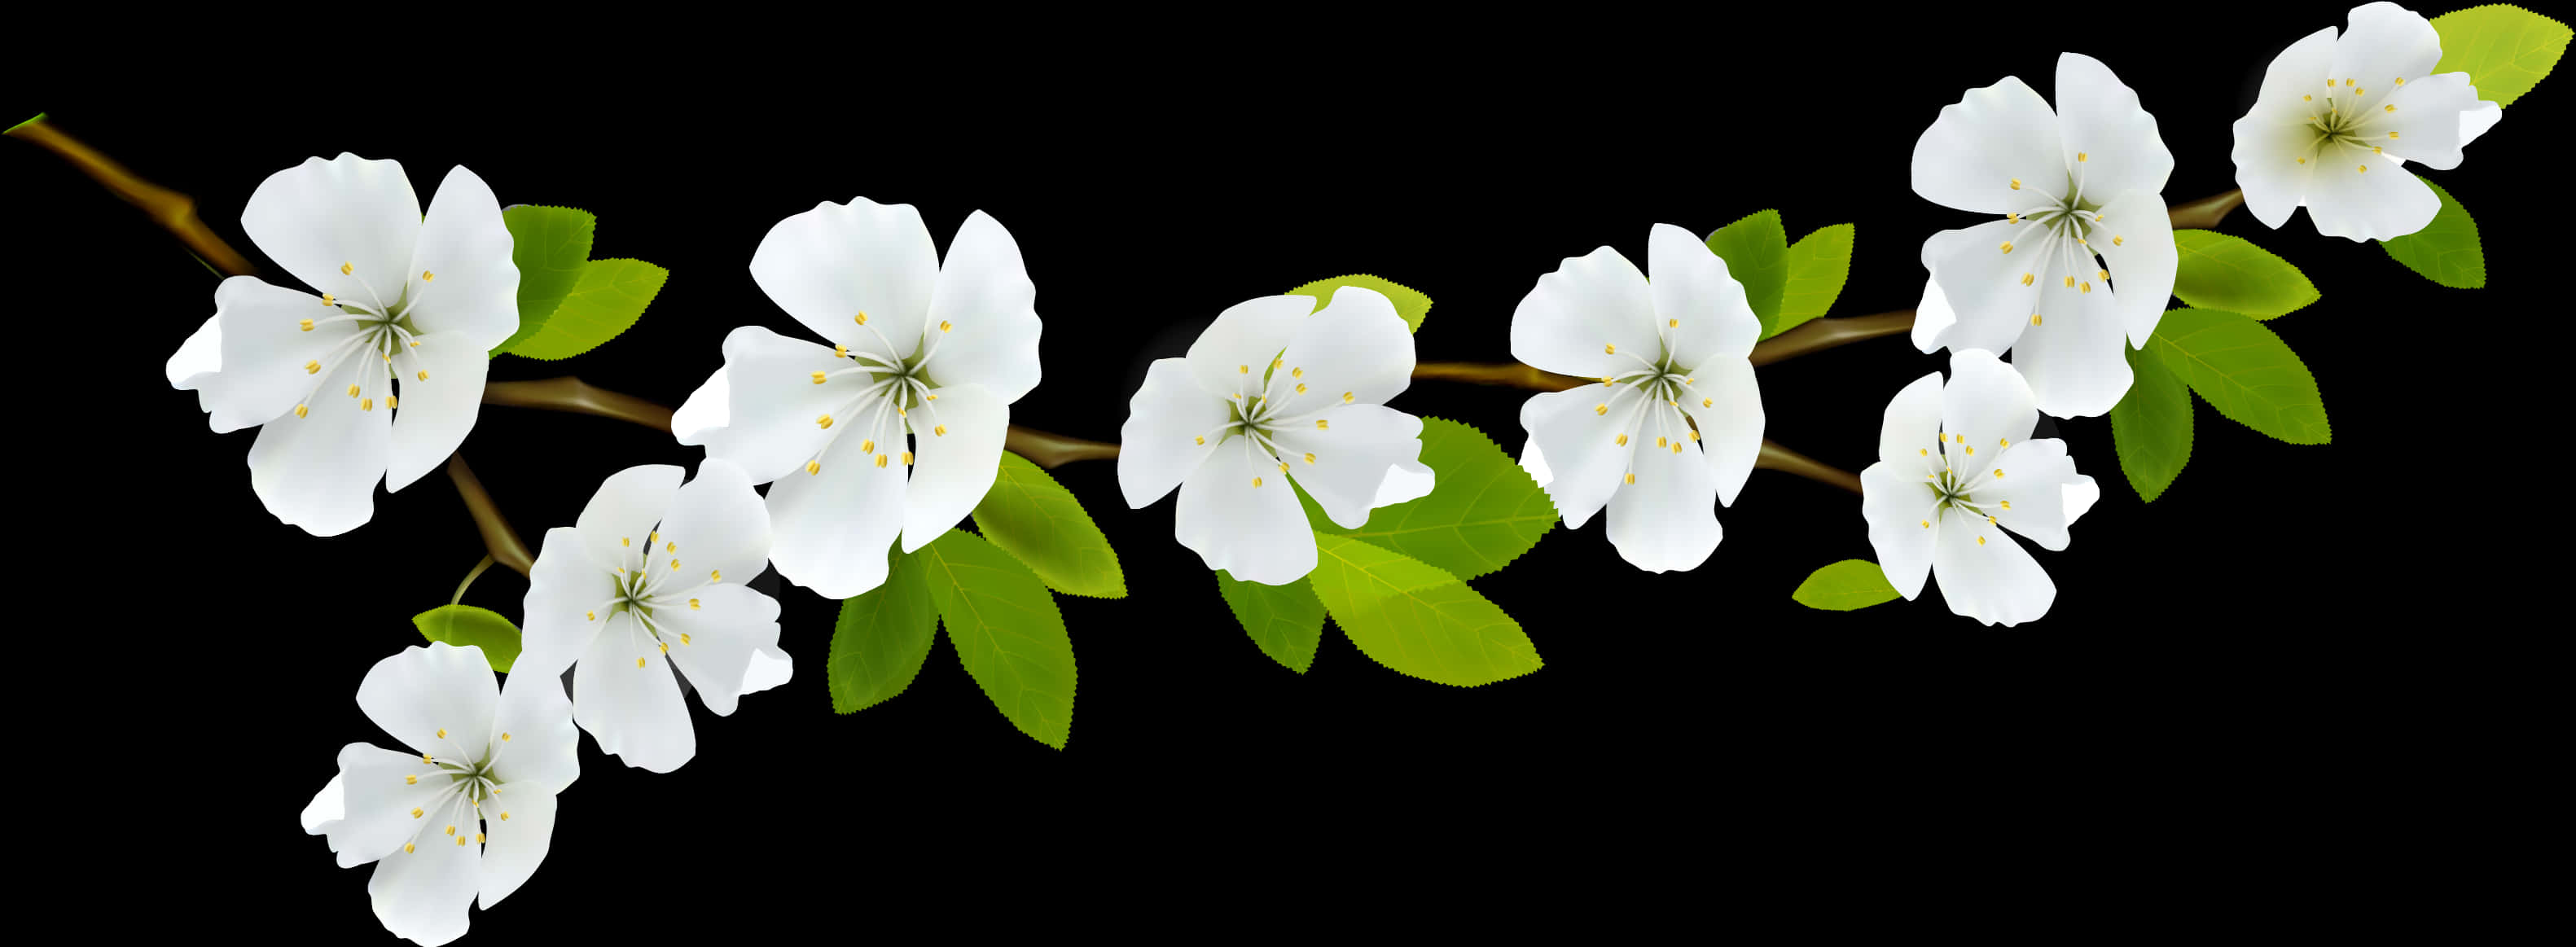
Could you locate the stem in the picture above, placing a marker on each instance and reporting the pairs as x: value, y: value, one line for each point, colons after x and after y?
x: 2205, y: 213
x: 1817, y: 335
x: 579, y: 397
x: 1054, y: 450
x: 1776, y: 457
x: 469, y: 579
x: 498, y: 537
x: 174, y: 211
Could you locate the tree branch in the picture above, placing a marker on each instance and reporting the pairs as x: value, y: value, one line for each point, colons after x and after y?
x: 498, y: 537
x: 1776, y: 457
x: 578, y: 397
x: 174, y: 211
x: 2206, y: 212
x: 1054, y: 450
x: 1816, y: 335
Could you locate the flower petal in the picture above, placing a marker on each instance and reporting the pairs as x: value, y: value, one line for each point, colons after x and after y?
x: 2108, y: 139
x: 2383, y: 42
x: 716, y: 523
x: 423, y: 691
x: 319, y: 471
x: 559, y: 617
x: 724, y: 625
x: 422, y: 895
x: 830, y: 530
x: 617, y: 524
x: 533, y: 740
x: 1355, y: 345
x: 2034, y: 482
x: 320, y: 215
x: 200, y: 357
x: 1666, y: 518
x: 623, y: 694
x: 1254, y: 533
x: 1932, y: 317
x: 1986, y: 402
x: 2475, y: 121
x: 1913, y: 425
x: 372, y: 800
x: 828, y: 265
x: 772, y: 403
x: 2427, y: 120
x: 1730, y: 419
x: 257, y: 333
x: 2080, y: 495
x: 328, y: 806
x: 986, y: 308
x: 2074, y: 360
x: 769, y: 668
x: 1581, y: 445
x: 1535, y: 461
x: 1405, y: 482
x: 1691, y: 286
x: 1898, y: 509
x: 1248, y: 333
x: 474, y: 290
x: 2367, y: 197
x: 705, y: 413
x: 1990, y: 138
x: 1581, y: 315
x: 2276, y: 133
x: 518, y: 843
x: 1171, y: 426
x: 1351, y: 458
x: 952, y: 471
x: 438, y: 409
x: 1995, y: 581
x: 1990, y: 290
x: 2141, y: 257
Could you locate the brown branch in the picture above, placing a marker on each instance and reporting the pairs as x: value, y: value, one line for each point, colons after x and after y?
x: 1776, y: 457
x: 1054, y: 450
x: 1506, y: 374
x: 174, y: 211
x: 498, y: 537
x: 2206, y: 212
x: 579, y: 397
x: 1816, y: 335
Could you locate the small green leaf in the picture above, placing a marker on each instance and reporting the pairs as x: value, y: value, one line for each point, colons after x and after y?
x: 1285, y: 621
x: 607, y: 300
x: 1844, y: 586
x: 1416, y: 619
x: 462, y: 625
x: 1409, y: 302
x: 2505, y: 49
x: 1005, y: 627
x: 1756, y: 251
x: 2151, y: 426
x: 2219, y: 271
x: 1031, y: 516
x: 2245, y: 371
x: 2446, y: 251
x: 550, y: 246
x: 881, y: 639
x: 1483, y: 510
x: 1817, y: 265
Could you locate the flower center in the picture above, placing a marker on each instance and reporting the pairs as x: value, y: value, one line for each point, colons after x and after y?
x: 881, y: 392
x: 1659, y: 384
x: 1284, y: 401
x: 2345, y: 124
x: 1957, y: 473
x: 2063, y: 228
x: 382, y: 345
x: 471, y: 783
x: 646, y: 582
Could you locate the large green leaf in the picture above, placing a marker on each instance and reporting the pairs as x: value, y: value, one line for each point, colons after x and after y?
x: 550, y: 246
x: 1756, y: 251
x: 1285, y: 621
x: 1416, y: 619
x: 1844, y: 586
x: 606, y: 301
x: 2220, y: 271
x: 881, y: 638
x: 1033, y: 517
x: 2151, y: 426
x: 1483, y: 510
x: 2446, y: 251
x: 1818, y: 264
x: 1409, y: 302
x: 2245, y: 371
x: 462, y: 625
x: 2505, y: 49
x: 1005, y: 627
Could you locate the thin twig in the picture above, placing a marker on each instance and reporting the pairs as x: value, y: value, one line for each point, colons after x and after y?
x: 1776, y: 457
x: 1054, y: 450
x: 174, y: 211
x: 1817, y: 335
x: 2206, y: 212
x: 579, y: 397
x: 497, y: 534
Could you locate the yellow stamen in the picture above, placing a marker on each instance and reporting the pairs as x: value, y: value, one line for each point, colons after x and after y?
x: 407, y: 849
x: 299, y: 410
x: 2392, y: 135
x: 1623, y: 440
x: 2007, y: 504
x: 427, y: 276
x: 451, y: 830
x: 1243, y: 369
x: 2104, y: 274
x: 907, y: 458
x: 940, y: 431
x: 1346, y: 397
x: 1927, y: 524
x: 307, y: 325
x: 840, y: 351
x: 1999, y: 471
x: 311, y: 367
x: 1310, y: 457
x: 823, y: 422
x: 1659, y: 442
x: 353, y: 391
x: 411, y: 780
x: 505, y: 817
x: 2088, y: 287
x: 1301, y: 388
x: 818, y: 378
x: 1607, y: 349
x: 1672, y: 323
x: 639, y: 663
x: 881, y: 461
x: 590, y: 616
x: 1297, y: 373
x: 330, y: 300
x: 2116, y: 240
x: 1321, y: 425
x: 2080, y: 156
x: 415, y: 812
x: 1283, y: 466
x: 1256, y: 483
x: 2016, y: 184
x: 1707, y: 402
x: 2070, y: 282
x: 1694, y: 434
x: 1632, y: 478
x: 2026, y: 279
x: 2034, y: 318
x: 2007, y: 246
x: 1972, y: 450
x: 1981, y: 540
x: 424, y: 375
x: 2361, y: 169
x: 693, y: 606
x: 1202, y: 440
x: 715, y: 575
x: 862, y: 318
x: 944, y: 326
x: 1601, y: 409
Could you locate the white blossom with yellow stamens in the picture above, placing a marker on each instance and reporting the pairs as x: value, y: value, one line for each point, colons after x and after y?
x: 635, y: 590
x: 406, y: 303
x: 1276, y: 395
x: 470, y: 810
x: 2083, y: 252
x: 902, y: 435
x: 1676, y: 423
x: 1957, y: 469
x: 2335, y: 114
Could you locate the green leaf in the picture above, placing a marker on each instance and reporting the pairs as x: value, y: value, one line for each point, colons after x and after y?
x: 551, y: 246
x: 2245, y: 371
x: 607, y: 300
x: 2505, y: 49
x: 1844, y: 586
x: 1756, y: 251
x: 881, y: 639
x: 2446, y: 251
x: 2218, y: 271
x: 1416, y: 619
x: 462, y: 625
x: 1483, y: 510
x: 1031, y: 516
x: 1005, y: 627
x: 2151, y: 426
x: 1817, y: 265
x: 1409, y: 302
x: 1285, y: 621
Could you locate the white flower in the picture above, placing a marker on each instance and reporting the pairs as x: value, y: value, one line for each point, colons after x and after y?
x: 2073, y: 184
x: 1268, y: 395
x: 471, y: 808
x: 1677, y: 419
x: 408, y: 306
x: 647, y: 582
x: 897, y: 426
x: 1956, y: 468
x: 2334, y: 115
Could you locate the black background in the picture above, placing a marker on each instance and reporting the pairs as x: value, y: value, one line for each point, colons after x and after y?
x: 2246, y: 651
